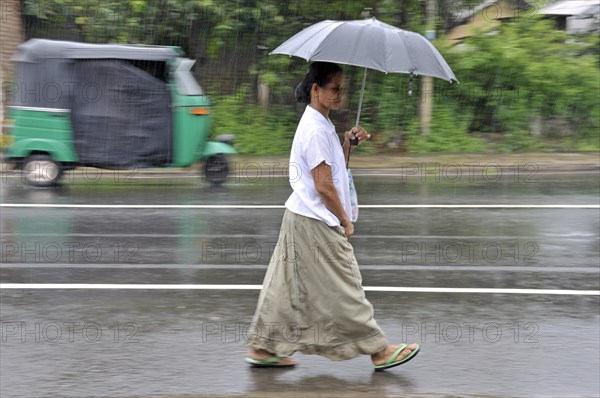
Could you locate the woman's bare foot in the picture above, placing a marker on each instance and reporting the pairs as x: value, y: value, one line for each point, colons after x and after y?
x: 263, y: 355
x: 382, y: 356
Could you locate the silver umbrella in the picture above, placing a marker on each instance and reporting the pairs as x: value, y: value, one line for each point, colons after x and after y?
x: 371, y: 44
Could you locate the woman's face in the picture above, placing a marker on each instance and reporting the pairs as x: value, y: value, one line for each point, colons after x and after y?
x: 329, y: 97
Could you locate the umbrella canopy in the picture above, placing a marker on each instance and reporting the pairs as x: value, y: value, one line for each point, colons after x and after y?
x: 368, y: 43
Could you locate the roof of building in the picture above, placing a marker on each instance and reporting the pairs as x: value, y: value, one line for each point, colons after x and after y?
x: 572, y: 7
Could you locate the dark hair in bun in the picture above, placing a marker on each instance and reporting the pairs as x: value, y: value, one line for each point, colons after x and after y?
x: 318, y: 72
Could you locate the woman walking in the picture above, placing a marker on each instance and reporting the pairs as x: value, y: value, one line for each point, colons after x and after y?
x: 312, y: 298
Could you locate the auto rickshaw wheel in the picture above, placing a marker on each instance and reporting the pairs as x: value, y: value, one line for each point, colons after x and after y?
x: 216, y: 169
x: 41, y: 171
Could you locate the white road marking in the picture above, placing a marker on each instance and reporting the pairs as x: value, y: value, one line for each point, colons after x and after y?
x: 255, y: 207
x: 116, y: 286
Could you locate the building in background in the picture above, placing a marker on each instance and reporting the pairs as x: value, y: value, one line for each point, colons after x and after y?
x: 485, y: 17
x: 575, y: 16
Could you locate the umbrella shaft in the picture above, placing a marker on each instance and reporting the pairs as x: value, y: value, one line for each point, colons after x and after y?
x: 362, y: 92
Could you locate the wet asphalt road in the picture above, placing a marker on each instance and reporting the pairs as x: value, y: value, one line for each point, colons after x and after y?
x: 186, y: 343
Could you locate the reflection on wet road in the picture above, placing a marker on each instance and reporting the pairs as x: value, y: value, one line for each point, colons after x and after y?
x: 140, y: 343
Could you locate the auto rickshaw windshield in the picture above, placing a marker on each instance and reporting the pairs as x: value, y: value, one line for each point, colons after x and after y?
x: 184, y: 80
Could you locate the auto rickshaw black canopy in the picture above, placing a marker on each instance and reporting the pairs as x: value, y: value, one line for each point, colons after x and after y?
x: 117, y: 95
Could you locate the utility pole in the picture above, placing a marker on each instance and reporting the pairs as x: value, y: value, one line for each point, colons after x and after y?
x: 11, y: 35
x: 426, y: 81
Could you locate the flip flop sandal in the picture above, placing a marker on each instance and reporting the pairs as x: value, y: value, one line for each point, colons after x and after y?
x: 391, y: 363
x: 273, y: 362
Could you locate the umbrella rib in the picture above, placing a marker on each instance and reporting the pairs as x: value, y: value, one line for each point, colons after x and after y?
x: 432, y: 50
x: 318, y: 49
x: 354, y: 63
x: 407, y: 52
x: 312, y: 36
x: 357, y: 41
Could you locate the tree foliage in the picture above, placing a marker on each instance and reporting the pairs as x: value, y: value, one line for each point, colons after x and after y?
x: 528, y: 71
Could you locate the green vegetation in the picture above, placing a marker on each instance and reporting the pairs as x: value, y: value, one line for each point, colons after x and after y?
x: 529, y: 72
x: 524, y: 87
x: 257, y: 131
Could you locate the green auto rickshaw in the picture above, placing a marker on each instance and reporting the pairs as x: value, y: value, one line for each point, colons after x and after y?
x: 111, y: 107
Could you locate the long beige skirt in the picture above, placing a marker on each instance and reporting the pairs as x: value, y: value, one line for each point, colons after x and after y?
x: 312, y: 300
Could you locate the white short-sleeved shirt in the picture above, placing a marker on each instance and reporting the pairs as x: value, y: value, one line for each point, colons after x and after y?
x: 316, y: 142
